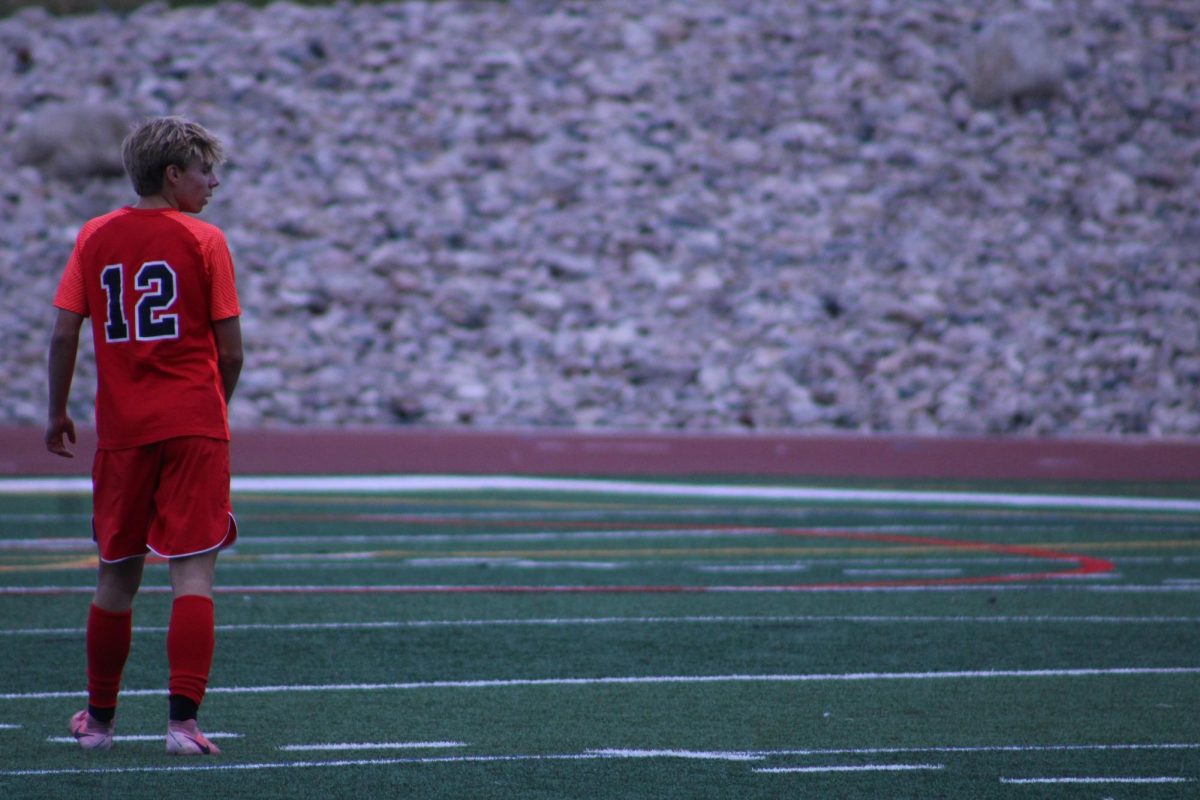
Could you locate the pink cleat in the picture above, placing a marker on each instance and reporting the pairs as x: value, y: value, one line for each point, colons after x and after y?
x: 91, y: 733
x: 185, y: 739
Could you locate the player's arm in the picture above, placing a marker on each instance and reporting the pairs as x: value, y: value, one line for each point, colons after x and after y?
x: 228, y: 333
x: 64, y: 344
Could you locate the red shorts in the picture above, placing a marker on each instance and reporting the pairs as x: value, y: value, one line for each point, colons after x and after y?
x: 170, y: 498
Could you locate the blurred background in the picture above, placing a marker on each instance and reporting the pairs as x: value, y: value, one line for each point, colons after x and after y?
x: 954, y: 217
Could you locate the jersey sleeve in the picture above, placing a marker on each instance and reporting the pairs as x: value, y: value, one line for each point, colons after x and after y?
x: 223, y: 297
x: 71, y: 294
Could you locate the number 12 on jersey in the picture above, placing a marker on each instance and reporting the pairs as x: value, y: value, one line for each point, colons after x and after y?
x: 155, y: 285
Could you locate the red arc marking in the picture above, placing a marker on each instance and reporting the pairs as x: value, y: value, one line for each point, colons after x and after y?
x: 1083, y: 565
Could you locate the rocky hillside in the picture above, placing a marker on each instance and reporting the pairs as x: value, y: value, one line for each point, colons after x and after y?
x: 700, y: 214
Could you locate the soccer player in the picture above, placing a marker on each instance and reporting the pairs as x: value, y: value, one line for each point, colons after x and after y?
x: 158, y: 285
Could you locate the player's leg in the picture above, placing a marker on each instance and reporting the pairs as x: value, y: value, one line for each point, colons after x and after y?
x: 109, y: 637
x: 110, y: 632
x: 190, y: 644
x: 117, y: 584
x: 190, y: 635
x: 122, y: 505
x: 193, y: 522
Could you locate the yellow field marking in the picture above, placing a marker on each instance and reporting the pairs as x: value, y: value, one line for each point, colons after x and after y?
x: 690, y: 552
x: 406, y: 500
x: 89, y: 562
x: 982, y: 548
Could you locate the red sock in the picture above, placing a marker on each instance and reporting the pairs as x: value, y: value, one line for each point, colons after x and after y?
x: 190, y: 643
x: 109, y: 635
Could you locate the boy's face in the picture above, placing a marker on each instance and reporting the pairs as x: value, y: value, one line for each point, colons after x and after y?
x: 194, y: 185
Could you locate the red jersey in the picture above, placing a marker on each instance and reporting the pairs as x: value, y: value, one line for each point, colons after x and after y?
x: 153, y: 281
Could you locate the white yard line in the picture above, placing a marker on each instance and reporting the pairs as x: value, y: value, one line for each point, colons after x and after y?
x: 143, y: 737
x: 968, y: 749
x: 1094, y: 780
x: 630, y: 753
x: 259, y: 627
x: 322, y: 764
x: 754, y: 569
x: 699, y: 755
x: 1181, y: 588
x: 392, y: 484
x: 853, y: 768
x: 644, y: 680
x: 344, y: 746
x: 900, y: 573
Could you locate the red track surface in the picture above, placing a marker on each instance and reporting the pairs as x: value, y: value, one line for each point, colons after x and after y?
x: 551, y: 452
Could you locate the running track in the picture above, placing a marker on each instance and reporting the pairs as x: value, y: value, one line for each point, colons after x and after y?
x: 552, y: 452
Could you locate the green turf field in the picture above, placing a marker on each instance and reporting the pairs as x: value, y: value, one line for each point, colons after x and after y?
x: 609, y: 640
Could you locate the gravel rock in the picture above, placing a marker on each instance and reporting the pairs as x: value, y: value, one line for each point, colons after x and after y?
x: 72, y: 142
x: 702, y: 214
x: 1014, y: 59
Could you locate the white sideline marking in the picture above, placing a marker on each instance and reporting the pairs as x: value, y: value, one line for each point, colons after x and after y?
x: 751, y: 569
x: 362, y: 762
x: 702, y: 755
x: 4, y: 726
x: 142, y: 737
x: 511, y: 563
x: 854, y: 768
x: 1096, y: 780
x: 1183, y: 588
x: 454, y: 483
x: 1004, y: 748
x: 646, y: 680
x: 689, y: 620
x: 901, y: 573
x: 339, y: 746
x: 586, y: 756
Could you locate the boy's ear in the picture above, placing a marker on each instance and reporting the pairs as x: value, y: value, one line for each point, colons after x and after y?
x: 171, y: 173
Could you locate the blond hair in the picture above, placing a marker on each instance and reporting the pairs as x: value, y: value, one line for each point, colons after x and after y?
x: 158, y: 143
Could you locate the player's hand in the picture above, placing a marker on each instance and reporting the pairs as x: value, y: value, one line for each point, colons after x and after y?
x: 55, y: 431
